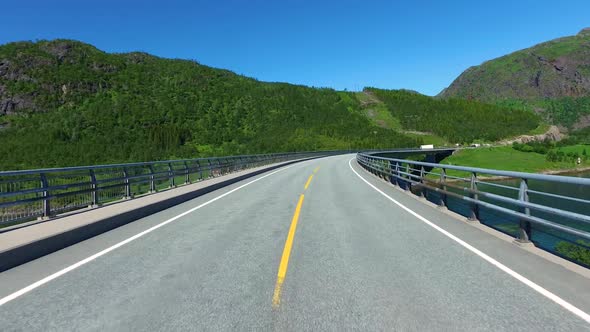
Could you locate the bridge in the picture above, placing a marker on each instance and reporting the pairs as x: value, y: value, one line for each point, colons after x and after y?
x: 310, y: 241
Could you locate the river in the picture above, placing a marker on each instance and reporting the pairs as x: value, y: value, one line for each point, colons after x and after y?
x: 543, y: 237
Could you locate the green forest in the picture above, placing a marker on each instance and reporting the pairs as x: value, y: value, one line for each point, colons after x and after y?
x: 73, y: 104
x: 566, y: 111
x: 457, y: 120
x: 91, y: 107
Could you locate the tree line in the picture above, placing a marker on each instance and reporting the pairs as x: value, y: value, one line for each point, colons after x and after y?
x: 458, y: 120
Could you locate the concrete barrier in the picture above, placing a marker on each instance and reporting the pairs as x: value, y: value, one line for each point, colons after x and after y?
x: 25, y: 244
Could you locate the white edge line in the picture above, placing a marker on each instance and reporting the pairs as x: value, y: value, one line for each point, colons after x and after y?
x: 563, y: 303
x: 74, y: 266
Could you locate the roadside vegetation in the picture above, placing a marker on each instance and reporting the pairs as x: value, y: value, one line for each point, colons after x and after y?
x: 532, y: 158
x: 578, y: 252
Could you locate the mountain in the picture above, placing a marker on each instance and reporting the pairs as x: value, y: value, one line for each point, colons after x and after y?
x: 66, y: 103
x: 557, y: 68
x: 456, y: 120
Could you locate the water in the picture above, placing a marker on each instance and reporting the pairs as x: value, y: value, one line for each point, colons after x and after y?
x: 543, y: 237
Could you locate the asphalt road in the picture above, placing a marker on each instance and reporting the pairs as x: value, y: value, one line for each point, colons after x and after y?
x: 356, y: 261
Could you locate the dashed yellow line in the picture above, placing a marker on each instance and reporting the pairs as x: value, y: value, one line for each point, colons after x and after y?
x: 276, y: 298
x: 316, y: 169
x: 308, y: 182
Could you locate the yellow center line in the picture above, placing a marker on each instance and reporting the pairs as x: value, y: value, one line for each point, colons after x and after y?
x: 316, y: 169
x: 276, y: 298
x: 308, y: 182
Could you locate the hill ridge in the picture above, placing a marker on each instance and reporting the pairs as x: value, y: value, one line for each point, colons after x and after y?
x: 552, y: 69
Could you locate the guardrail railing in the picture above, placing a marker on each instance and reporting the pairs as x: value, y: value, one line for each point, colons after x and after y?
x: 31, y: 194
x: 544, y: 209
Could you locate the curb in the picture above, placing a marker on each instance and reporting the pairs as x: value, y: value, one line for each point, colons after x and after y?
x: 25, y: 253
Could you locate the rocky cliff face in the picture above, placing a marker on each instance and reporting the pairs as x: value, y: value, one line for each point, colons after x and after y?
x: 11, y: 102
x: 558, y: 68
x: 44, y: 75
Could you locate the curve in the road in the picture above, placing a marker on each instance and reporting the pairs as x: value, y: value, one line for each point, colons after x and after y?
x: 578, y: 312
x: 355, y: 261
x: 72, y: 267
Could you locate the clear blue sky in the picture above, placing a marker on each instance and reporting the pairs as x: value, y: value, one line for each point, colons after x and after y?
x: 420, y: 45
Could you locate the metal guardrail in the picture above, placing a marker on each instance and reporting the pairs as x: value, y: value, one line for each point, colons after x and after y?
x: 473, y: 190
x: 31, y: 194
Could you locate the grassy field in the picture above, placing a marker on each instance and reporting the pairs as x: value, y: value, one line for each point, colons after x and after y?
x: 429, y: 139
x: 579, y: 148
x: 541, y: 129
x: 507, y: 158
x: 377, y: 112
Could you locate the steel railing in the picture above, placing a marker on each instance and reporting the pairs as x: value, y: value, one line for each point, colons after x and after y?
x: 31, y: 194
x: 469, y: 185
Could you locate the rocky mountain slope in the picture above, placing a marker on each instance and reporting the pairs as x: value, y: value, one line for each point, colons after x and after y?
x: 557, y: 68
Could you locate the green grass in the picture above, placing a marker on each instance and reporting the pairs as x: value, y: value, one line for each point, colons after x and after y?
x: 554, y: 49
x: 377, y: 112
x: 541, y: 129
x: 382, y: 117
x: 579, y: 148
x: 505, y: 158
x: 429, y: 139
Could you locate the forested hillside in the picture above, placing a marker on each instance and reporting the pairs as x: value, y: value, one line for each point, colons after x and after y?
x: 67, y: 103
x: 457, y: 120
x: 551, y: 78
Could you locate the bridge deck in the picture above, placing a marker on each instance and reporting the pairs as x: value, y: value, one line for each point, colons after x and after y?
x: 358, y: 260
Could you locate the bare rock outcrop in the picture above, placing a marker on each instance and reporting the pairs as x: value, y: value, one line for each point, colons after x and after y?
x: 552, y: 134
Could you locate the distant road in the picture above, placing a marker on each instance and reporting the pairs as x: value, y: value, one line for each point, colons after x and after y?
x: 311, y: 246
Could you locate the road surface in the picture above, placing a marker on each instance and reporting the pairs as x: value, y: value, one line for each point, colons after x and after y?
x: 311, y: 246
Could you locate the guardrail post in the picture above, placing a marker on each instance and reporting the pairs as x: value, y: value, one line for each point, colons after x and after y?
x: 211, y: 168
x: 389, y: 171
x: 443, y: 183
x: 422, y: 172
x: 187, y: 176
x: 200, y: 170
x: 524, y: 235
x: 237, y: 164
x: 126, y: 182
x: 408, y: 185
x: 374, y: 167
x: 396, y: 174
x: 474, y: 206
x: 46, y: 203
x: 220, y: 166
x: 170, y: 176
x: 94, y: 187
x: 152, y: 179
